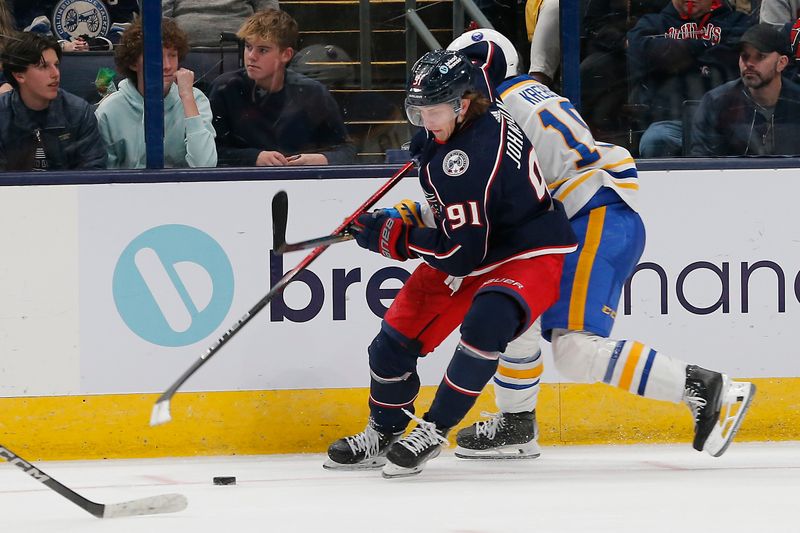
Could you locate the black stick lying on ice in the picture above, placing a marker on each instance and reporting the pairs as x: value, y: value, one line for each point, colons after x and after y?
x: 163, y: 503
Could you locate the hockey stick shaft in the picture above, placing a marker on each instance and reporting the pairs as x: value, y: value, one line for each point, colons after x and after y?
x: 166, y: 503
x: 327, y: 240
x: 161, y: 414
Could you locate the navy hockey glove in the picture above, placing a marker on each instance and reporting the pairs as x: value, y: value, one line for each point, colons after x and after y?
x: 383, y: 234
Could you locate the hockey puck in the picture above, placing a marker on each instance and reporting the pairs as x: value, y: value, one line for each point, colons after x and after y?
x: 225, y: 480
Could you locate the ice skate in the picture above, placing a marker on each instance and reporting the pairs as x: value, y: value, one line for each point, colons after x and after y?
x: 362, y: 451
x: 503, y: 436
x: 718, y: 405
x: 407, y: 457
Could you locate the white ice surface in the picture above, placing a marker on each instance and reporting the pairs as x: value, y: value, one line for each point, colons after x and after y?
x: 754, y: 487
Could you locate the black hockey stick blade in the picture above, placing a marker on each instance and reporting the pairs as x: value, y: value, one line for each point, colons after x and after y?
x: 163, y: 503
x: 161, y: 410
x: 280, y: 217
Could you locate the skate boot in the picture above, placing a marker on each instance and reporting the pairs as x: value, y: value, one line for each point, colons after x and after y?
x: 407, y: 457
x: 503, y: 436
x: 718, y: 405
x: 362, y: 451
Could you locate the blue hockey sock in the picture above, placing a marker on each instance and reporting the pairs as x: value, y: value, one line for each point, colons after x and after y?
x: 394, y: 382
x: 467, y: 374
x: 490, y: 324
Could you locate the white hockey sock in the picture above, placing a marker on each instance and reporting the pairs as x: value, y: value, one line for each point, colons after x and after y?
x: 628, y: 365
x: 516, y: 382
x: 644, y: 371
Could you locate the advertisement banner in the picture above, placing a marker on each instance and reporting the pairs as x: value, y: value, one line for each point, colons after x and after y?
x: 167, y: 268
x: 720, y: 278
x: 164, y: 269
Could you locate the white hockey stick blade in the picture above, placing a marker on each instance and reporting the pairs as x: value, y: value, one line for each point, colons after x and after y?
x: 160, y: 414
x: 164, y: 503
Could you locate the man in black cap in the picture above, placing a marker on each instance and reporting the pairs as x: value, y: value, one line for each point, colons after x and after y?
x: 679, y: 54
x: 758, y: 114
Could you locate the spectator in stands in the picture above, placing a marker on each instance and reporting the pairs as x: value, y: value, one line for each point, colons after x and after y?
x: 506, y: 16
x: 266, y: 115
x: 679, y: 54
x: 785, y: 14
x: 794, y: 49
x: 779, y: 12
x: 605, y: 23
x: 758, y: 114
x: 751, y: 8
x: 43, y: 127
x: 204, y: 20
x: 5, y: 87
x: 96, y: 27
x: 6, y: 32
x: 603, y: 70
x: 188, y: 133
x: 542, y: 23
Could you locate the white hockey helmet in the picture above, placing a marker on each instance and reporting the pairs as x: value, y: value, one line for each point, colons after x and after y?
x: 486, y: 34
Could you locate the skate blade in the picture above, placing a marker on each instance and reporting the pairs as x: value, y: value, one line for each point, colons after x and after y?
x: 737, y: 401
x: 530, y: 450
x: 392, y: 471
x: 373, y: 464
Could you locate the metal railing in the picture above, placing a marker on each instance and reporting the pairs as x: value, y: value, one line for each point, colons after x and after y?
x: 570, y: 27
x: 364, y: 43
x: 415, y: 27
x: 459, y: 6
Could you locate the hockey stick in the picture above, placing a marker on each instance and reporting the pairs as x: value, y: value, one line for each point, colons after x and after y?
x: 163, y: 503
x: 280, y: 216
x: 161, y: 414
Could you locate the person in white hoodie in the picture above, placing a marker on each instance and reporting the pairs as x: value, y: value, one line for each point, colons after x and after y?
x: 188, y: 132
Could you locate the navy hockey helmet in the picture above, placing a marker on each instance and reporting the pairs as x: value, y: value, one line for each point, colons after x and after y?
x: 438, y: 77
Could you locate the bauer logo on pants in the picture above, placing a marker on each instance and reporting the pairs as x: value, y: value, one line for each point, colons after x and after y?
x: 173, y: 285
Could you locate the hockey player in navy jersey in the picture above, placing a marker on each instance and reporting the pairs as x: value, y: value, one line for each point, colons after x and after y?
x: 598, y: 185
x: 492, y: 250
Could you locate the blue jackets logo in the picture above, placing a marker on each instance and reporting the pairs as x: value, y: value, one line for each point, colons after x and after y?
x: 173, y: 285
x: 455, y: 163
x: 74, y: 18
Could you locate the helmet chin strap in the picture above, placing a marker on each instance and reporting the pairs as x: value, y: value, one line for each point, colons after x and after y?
x: 459, y: 120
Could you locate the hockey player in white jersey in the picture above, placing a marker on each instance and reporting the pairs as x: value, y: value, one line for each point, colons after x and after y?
x: 598, y: 185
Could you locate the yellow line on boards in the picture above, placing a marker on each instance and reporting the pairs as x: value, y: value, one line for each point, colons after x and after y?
x: 300, y: 421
